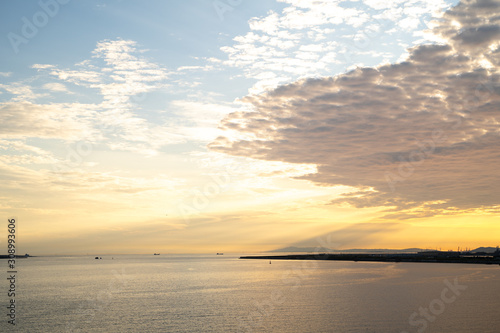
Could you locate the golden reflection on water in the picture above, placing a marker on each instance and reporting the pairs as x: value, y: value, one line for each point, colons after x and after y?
x: 226, y: 294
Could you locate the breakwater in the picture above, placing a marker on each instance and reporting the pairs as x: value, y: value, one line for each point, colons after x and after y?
x: 403, y: 257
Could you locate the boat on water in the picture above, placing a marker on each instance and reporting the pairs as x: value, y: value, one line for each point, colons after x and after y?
x: 220, y: 254
x: 156, y: 254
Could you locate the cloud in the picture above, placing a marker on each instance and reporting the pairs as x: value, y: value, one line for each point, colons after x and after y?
x: 42, y: 66
x: 118, y: 72
x: 122, y: 78
x: 420, y: 136
x: 56, y: 87
x: 21, y: 91
x: 314, y: 38
x: 22, y: 120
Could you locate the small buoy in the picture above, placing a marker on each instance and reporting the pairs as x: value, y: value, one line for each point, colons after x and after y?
x: 269, y: 262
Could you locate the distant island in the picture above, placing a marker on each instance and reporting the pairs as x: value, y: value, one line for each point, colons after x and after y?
x: 488, y: 256
x: 8, y: 256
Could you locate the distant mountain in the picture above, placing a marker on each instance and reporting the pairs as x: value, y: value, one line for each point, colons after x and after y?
x: 484, y: 249
x: 326, y: 250
x: 323, y: 250
x: 302, y: 249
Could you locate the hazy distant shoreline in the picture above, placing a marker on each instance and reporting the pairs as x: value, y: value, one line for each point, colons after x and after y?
x: 7, y: 256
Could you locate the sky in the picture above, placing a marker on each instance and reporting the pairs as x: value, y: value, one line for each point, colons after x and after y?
x: 242, y: 126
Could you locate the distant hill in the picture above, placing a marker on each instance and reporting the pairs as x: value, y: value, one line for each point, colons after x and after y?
x: 302, y: 249
x: 484, y: 249
x: 326, y: 250
x: 322, y: 250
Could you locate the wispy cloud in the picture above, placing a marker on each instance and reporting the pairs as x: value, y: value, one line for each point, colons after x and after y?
x: 56, y: 87
x: 21, y: 91
x: 119, y: 74
x: 420, y: 136
x: 22, y: 120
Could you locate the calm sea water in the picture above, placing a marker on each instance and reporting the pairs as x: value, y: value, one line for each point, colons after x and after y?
x: 193, y: 293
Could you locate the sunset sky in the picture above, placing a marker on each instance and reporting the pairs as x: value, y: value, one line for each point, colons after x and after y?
x: 208, y: 126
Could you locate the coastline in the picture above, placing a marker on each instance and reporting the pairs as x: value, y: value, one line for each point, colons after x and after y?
x: 8, y: 256
x: 440, y: 258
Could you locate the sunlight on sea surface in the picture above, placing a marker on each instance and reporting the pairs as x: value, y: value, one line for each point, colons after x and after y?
x: 209, y: 293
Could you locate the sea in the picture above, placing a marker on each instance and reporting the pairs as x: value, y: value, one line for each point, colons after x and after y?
x: 222, y: 293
